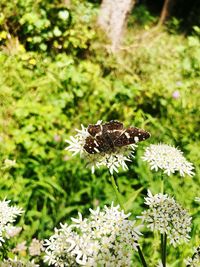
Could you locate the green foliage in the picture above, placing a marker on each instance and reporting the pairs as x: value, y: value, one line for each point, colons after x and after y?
x: 174, y: 25
x: 45, y: 96
x: 47, y: 26
x: 141, y: 17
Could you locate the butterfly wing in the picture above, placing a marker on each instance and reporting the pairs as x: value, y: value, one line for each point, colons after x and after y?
x: 92, y: 146
x: 105, y: 137
x: 102, y: 136
x: 130, y: 136
x: 96, y: 145
x: 94, y: 129
x: 113, y: 130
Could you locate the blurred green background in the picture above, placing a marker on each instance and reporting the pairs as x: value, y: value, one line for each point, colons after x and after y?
x: 57, y: 73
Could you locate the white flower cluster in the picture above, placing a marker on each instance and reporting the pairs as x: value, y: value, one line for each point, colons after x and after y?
x: 111, y: 159
x: 8, y: 215
x: 21, y: 248
x: 106, y: 238
x: 17, y: 263
x: 166, y: 216
x: 167, y: 158
x: 194, y: 261
x: 36, y: 247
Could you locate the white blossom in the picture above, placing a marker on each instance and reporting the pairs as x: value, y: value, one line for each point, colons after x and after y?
x: 194, y: 261
x: 8, y: 215
x: 20, y: 247
x: 77, y: 143
x: 113, y: 159
x: 166, y: 216
x: 167, y: 158
x: 107, y: 238
x: 35, y: 247
x: 12, y: 231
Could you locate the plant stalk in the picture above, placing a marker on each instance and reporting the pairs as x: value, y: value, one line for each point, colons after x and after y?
x: 142, y: 257
x: 163, y: 249
x: 118, y: 195
x: 162, y: 184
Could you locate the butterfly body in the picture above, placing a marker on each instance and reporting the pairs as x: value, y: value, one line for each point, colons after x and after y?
x: 108, y: 136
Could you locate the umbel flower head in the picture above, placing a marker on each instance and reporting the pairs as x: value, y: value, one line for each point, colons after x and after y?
x: 106, y: 238
x: 166, y: 216
x: 21, y: 247
x: 194, y: 261
x: 112, y: 159
x: 36, y: 247
x: 8, y: 215
x: 167, y: 158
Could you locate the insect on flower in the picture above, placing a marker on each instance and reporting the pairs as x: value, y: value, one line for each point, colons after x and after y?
x: 108, y: 144
x: 108, y: 136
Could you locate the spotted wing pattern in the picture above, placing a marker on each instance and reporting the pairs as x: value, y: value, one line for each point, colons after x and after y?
x: 95, y: 129
x: 130, y: 136
x: 93, y: 145
x: 105, y: 137
x: 102, y: 136
x: 113, y: 129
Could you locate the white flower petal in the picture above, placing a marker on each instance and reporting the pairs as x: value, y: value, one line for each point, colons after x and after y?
x: 167, y: 158
x: 106, y: 237
x: 166, y: 216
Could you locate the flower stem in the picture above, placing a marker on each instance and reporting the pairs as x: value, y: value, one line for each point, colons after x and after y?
x: 162, y: 184
x: 142, y: 257
x: 118, y: 195
x: 163, y: 249
x: 163, y: 236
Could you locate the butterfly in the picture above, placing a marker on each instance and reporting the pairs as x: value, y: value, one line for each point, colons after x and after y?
x: 108, y: 136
